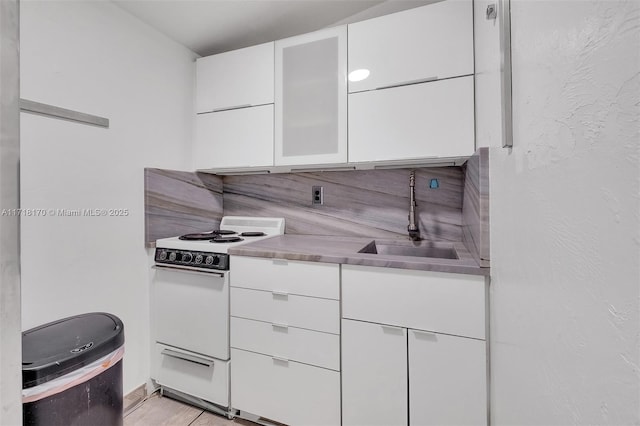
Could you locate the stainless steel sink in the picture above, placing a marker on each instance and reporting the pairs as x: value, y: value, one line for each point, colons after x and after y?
x: 408, y: 248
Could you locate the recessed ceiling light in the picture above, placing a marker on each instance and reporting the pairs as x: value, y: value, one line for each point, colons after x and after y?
x: 359, y: 75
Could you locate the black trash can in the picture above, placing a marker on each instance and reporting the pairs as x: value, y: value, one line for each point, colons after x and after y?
x: 72, y: 371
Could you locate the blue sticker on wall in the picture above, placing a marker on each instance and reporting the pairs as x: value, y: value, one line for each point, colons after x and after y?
x: 434, y: 184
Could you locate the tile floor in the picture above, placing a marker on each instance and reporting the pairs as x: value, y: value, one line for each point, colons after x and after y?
x: 163, y: 411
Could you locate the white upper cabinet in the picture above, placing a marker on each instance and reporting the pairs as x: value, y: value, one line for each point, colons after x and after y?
x: 237, y: 138
x: 235, y: 79
x: 311, y: 98
x: 422, y: 44
x: 429, y: 120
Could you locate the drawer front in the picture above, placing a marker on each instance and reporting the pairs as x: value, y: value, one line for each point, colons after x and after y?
x: 291, y: 310
x: 300, y: 278
x: 431, y: 301
x: 296, y: 344
x: 203, y: 377
x: 287, y: 392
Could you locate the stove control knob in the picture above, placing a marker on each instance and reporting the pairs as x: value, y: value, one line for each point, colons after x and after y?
x: 216, y: 260
x: 162, y: 255
x: 172, y: 256
x: 199, y: 259
x: 209, y: 260
x: 187, y: 257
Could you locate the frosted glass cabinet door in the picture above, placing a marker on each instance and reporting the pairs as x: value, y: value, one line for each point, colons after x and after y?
x: 447, y: 380
x: 311, y: 98
x: 429, y: 42
x: 235, y: 79
x: 374, y: 374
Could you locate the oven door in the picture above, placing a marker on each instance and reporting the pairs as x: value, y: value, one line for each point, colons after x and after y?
x: 190, y: 310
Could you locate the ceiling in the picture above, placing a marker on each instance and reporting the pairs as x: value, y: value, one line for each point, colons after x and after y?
x: 213, y: 26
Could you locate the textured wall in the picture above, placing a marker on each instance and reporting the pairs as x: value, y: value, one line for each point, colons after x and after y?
x: 373, y: 203
x: 565, y: 241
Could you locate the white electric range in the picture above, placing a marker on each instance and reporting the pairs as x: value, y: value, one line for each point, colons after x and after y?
x: 190, y: 310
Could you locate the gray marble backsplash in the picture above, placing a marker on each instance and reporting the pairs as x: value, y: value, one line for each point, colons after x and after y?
x: 368, y: 203
x: 475, y: 210
x: 361, y: 203
x: 178, y: 203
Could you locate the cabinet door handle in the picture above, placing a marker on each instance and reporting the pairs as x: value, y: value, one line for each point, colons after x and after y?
x: 185, y: 357
x: 426, y: 335
x: 280, y: 359
x: 405, y: 83
x: 392, y: 329
x: 280, y: 294
x: 276, y: 325
x: 183, y: 270
x: 231, y: 107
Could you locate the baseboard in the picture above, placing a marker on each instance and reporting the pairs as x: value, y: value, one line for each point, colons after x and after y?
x: 133, y: 398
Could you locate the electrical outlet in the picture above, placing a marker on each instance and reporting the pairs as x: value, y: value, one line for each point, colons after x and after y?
x: 317, y: 195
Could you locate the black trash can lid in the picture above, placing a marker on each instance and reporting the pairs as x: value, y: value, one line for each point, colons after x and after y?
x: 60, y: 347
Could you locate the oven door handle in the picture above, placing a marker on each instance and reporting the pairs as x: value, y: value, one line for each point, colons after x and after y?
x: 185, y: 357
x: 188, y: 271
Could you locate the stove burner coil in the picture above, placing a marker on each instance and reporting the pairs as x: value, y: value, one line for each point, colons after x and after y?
x: 220, y: 239
x: 205, y: 235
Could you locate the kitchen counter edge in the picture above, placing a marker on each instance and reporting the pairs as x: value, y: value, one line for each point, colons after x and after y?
x: 344, y: 250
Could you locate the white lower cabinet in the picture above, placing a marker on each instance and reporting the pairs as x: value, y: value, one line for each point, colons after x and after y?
x: 292, y: 343
x: 447, y: 380
x: 413, y: 348
x: 285, y: 340
x: 285, y: 391
x: 374, y: 374
x: 286, y: 309
x: 398, y: 376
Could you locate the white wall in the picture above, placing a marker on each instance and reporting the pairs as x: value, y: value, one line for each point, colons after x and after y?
x: 95, y: 58
x: 565, y: 224
x: 10, y: 338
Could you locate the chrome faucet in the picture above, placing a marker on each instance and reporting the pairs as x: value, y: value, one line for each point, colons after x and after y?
x: 414, y: 232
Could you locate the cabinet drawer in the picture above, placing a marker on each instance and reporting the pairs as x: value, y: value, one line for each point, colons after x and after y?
x: 433, y: 119
x: 295, y: 344
x: 193, y: 374
x: 287, y: 392
x: 237, y: 138
x: 293, y: 277
x: 291, y: 310
x: 432, y: 301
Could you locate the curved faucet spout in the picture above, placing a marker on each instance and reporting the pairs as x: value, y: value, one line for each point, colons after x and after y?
x: 414, y: 232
